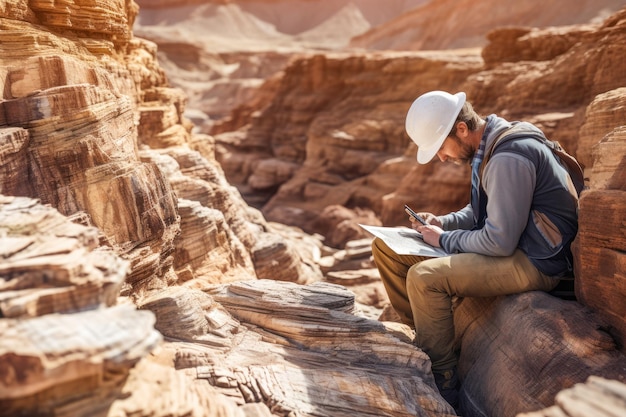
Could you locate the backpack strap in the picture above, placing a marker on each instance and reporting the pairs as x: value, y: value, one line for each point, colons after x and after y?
x: 567, y: 161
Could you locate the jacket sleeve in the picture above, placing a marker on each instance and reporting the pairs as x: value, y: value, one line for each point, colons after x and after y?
x: 509, y: 181
x: 462, y: 219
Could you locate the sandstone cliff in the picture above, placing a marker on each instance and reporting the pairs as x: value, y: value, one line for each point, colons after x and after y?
x: 135, y: 279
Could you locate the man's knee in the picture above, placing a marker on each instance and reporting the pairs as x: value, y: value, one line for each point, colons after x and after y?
x: 375, y: 244
x: 427, y: 276
x: 417, y: 278
x: 379, y: 248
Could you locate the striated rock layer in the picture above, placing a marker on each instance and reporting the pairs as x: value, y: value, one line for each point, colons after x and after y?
x: 88, y: 108
x: 51, y: 265
x: 82, y: 149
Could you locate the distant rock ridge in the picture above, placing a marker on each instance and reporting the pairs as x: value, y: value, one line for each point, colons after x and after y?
x: 450, y: 24
x: 293, y: 17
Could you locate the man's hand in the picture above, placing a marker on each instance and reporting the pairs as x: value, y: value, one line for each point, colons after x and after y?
x: 431, y: 231
x: 429, y: 217
x: 431, y: 234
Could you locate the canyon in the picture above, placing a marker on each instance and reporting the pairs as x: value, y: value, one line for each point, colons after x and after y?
x: 179, y: 215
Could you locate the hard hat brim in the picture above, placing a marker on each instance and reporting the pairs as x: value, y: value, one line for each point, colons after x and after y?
x: 425, y: 155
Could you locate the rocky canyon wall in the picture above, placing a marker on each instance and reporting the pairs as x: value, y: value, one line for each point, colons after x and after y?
x: 109, y: 198
x: 93, y: 127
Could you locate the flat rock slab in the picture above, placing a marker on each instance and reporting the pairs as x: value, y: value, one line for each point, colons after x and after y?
x: 306, y: 352
x: 49, y: 361
x: 597, y: 397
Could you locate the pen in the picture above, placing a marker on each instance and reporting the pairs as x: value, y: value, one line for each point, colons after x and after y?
x: 413, y: 214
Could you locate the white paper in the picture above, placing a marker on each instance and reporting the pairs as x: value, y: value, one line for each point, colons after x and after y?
x: 405, y: 241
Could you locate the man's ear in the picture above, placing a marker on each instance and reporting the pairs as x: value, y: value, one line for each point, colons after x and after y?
x: 462, y: 130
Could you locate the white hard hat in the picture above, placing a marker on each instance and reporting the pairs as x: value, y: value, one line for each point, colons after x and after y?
x: 430, y: 119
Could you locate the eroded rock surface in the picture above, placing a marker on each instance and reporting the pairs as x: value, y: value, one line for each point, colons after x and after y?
x: 601, y: 238
x: 65, y: 340
x: 323, y: 356
x: 526, y: 348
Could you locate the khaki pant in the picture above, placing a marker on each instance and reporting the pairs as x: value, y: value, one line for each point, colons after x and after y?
x: 421, y: 290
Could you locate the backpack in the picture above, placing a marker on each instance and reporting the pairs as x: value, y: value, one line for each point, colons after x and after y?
x: 567, y: 161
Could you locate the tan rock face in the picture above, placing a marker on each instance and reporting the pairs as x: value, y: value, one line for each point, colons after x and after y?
x: 601, y: 241
x: 569, y: 83
x: 85, y: 108
x: 14, y: 162
x: 113, y: 18
x: 49, y: 360
x: 82, y: 153
x: 602, y: 117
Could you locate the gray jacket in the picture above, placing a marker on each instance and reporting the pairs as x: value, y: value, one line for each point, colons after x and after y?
x: 528, y: 206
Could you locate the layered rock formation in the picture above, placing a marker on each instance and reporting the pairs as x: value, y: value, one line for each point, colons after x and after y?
x: 49, y: 358
x: 71, y: 346
x: 130, y: 266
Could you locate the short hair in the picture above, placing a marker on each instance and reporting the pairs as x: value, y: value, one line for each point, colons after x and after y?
x: 467, y: 115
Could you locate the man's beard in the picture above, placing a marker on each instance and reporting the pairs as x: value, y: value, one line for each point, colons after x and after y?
x: 466, y: 153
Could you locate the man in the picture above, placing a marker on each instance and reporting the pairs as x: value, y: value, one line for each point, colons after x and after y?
x: 514, y: 236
